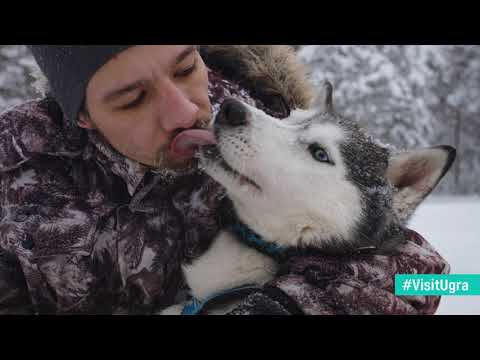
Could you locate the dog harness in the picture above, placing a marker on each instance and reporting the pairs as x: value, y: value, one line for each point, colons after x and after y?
x: 253, y: 240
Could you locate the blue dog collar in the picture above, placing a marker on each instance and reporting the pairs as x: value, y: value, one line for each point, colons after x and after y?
x: 255, y: 241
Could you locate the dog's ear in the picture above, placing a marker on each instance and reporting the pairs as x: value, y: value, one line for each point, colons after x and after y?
x: 415, y: 174
x: 324, y: 99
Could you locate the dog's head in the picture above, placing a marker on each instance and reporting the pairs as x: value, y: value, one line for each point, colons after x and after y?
x: 316, y: 179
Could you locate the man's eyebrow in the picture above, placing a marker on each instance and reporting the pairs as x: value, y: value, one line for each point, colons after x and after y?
x: 123, y: 90
x: 185, y: 53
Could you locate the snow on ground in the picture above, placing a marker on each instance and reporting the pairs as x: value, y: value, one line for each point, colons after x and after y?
x: 452, y: 226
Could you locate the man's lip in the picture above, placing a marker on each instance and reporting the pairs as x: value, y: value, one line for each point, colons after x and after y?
x: 186, y: 143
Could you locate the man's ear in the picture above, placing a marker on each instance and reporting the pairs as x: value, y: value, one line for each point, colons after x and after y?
x: 85, y: 122
x: 415, y: 174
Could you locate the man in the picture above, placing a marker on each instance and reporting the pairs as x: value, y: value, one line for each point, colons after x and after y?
x: 101, y: 199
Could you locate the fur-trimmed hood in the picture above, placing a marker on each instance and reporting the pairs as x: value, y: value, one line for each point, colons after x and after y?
x: 270, y: 72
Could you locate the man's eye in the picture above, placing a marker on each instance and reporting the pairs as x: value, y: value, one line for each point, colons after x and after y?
x: 320, y: 154
x: 188, y: 71
x: 135, y: 102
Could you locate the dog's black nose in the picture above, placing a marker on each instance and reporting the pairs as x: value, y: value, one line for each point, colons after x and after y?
x: 232, y: 113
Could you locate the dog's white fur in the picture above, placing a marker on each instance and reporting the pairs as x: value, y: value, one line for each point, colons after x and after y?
x: 228, y: 264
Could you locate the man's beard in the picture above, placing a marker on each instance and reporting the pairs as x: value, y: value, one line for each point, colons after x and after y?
x: 161, y: 164
x: 165, y: 167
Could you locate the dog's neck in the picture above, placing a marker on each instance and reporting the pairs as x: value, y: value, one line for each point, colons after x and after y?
x: 273, y: 228
x: 250, y: 238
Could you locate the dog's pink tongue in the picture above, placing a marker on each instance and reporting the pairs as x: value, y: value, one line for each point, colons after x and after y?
x: 187, y: 142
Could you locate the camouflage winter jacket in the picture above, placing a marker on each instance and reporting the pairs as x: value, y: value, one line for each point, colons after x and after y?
x: 84, y: 230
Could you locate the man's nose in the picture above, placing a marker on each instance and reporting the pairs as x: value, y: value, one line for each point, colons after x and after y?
x: 232, y: 113
x: 181, y: 112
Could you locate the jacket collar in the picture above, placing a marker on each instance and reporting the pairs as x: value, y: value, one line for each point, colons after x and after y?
x: 130, y: 171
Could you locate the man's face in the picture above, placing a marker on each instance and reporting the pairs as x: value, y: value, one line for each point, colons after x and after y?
x: 144, y: 97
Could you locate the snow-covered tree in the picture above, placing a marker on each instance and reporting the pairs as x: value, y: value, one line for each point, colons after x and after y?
x: 457, y: 87
x: 15, y: 65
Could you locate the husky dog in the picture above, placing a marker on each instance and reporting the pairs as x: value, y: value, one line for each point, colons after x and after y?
x: 312, y: 181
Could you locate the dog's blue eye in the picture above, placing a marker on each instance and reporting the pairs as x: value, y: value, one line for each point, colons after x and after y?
x: 319, y: 154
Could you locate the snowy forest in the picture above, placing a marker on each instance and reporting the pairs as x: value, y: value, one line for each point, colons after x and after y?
x: 409, y: 96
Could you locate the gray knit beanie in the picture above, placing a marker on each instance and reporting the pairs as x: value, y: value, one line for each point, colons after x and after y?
x: 69, y: 69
